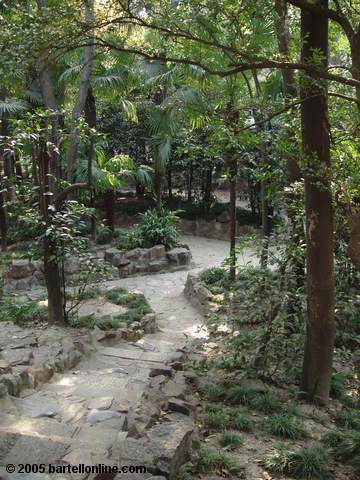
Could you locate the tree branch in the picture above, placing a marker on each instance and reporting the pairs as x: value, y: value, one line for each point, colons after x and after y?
x: 61, y: 197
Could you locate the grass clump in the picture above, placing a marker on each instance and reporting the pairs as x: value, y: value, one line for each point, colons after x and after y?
x: 215, y: 420
x: 239, y: 395
x: 348, y: 418
x: 266, y: 403
x: 22, y: 313
x: 333, y: 438
x: 209, y: 460
x: 240, y: 420
x: 213, y: 392
x: 348, y: 449
x: 231, y: 439
x: 185, y: 472
x: 136, y: 304
x: 284, y: 424
x: 212, y: 408
x: 307, y: 463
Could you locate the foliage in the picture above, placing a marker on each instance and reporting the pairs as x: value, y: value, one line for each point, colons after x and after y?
x: 307, y: 463
x: 135, y: 303
x: 266, y: 403
x: 209, y: 460
x: 213, y: 392
x: 22, y: 313
x: 239, y: 395
x: 154, y: 230
x: 285, y: 424
x: 231, y: 439
x: 103, y: 236
x: 240, y: 420
x: 216, y: 420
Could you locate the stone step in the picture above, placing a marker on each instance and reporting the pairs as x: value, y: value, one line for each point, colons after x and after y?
x: 135, y: 354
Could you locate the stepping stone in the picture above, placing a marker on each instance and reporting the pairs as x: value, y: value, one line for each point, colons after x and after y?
x: 95, y: 415
x: 37, y: 407
x: 137, y: 354
x: 101, y: 403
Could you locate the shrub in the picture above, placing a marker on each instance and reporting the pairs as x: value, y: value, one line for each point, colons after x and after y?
x: 103, y: 236
x: 216, y: 279
x: 121, y: 239
x: 22, y: 312
x: 284, y: 424
x: 155, y: 229
x: 349, y: 449
x: 231, y: 439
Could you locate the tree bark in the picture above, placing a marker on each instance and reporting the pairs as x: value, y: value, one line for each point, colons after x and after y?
x: 51, y: 263
x: 207, y: 190
x: 319, y: 339
x: 3, y: 218
x: 190, y: 181
x: 109, y: 206
x: 82, y: 92
x: 232, y: 172
x: 169, y: 180
x: 90, y: 118
x: 158, y: 174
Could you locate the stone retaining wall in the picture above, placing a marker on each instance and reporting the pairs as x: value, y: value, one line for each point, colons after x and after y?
x: 199, y: 295
x: 216, y: 229
x: 140, y: 261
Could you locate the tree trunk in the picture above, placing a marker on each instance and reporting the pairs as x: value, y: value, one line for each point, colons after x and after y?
x: 109, y: 206
x: 90, y: 118
x: 207, y: 190
x: 3, y: 219
x: 74, y: 138
x: 51, y: 265
x: 169, y: 180
x: 158, y: 186
x: 319, y: 340
x: 53, y: 283
x: 190, y: 181
x: 232, y: 186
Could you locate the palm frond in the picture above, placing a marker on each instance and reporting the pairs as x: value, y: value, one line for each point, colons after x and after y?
x: 70, y: 73
x: 12, y: 105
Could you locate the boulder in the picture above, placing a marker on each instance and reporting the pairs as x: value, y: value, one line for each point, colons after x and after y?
x: 157, y: 266
x: 179, y: 256
x: 21, y: 268
x: 157, y: 252
x: 110, y: 253
x: 148, y: 323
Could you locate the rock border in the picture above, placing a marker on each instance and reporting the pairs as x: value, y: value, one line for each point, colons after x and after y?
x: 199, y: 296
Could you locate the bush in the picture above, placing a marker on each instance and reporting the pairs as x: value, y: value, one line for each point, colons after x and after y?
x: 22, y: 312
x: 103, y: 236
x: 121, y: 239
x: 154, y: 230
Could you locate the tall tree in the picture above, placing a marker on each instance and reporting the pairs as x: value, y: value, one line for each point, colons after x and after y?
x: 319, y: 340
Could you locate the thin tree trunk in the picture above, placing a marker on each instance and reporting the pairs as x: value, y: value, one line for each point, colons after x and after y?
x: 51, y: 265
x: 109, y: 205
x: 208, y: 188
x: 319, y: 339
x: 90, y: 118
x: 232, y: 166
x: 3, y: 218
x: 190, y: 181
x: 158, y: 186
x: 169, y: 181
x: 74, y: 139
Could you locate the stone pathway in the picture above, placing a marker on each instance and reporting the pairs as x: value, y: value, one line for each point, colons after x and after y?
x: 86, y: 414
